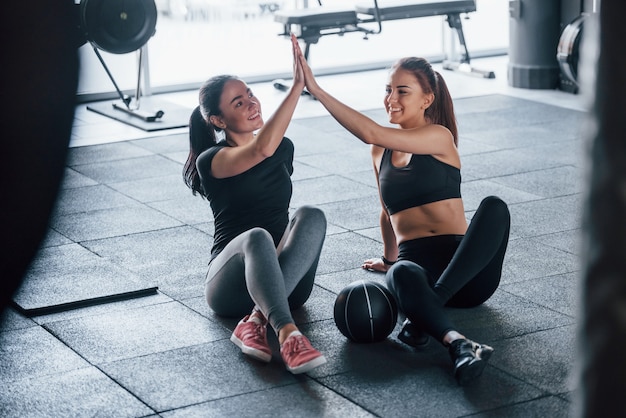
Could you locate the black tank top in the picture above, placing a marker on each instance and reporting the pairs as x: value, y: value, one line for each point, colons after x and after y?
x: 423, y: 180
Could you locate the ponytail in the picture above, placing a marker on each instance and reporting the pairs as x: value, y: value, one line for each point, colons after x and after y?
x: 201, y: 138
x: 441, y: 111
x: 202, y: 134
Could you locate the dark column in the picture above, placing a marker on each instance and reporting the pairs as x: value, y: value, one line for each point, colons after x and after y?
x: 603, y: 323
x: 534, y: 31
x: 38, y: 83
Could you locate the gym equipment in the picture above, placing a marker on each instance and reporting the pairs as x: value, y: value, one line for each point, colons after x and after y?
x: 365, y: 311
x: 120, y: 27
x: 311, y: 24
x: 568, y: 53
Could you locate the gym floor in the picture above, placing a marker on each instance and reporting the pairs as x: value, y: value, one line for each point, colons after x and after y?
x: 124, y: 212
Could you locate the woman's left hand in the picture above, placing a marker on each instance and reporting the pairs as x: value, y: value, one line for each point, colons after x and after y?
x: 375, y: 264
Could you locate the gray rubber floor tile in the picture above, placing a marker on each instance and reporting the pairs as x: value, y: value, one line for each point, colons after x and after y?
x: 486, y: 103
x: 354, y: 214
x: 146, y: 330
x: 323, y: 124
x: 175, y: 259
x: 318, y: 307
x: 574, y: 153
x: 531, y: 113
x: 206, y: 227
x: 426, y: 388
x: 54, y: 239
x: 179, y: 157
x: 550, y: 406
x: 105, y: 152
x: 107, y: 223
x: 474, y: 192
x: 347, y: 250
x: 76, y: 393
x: 336, y: 281
x: 129, y: 168
x: 328, y: 189
x: 366, y: 177
x: 343, y: 162
x: 528, y: 259
x: 506, y: 315
x: 568, y: 241
x: 525, y: 135
x: 164, y: 144
x: 69, y: 275
x: 469, y: 146
x: 505, y: 162
x: 32, y: 352
x: 154, y: 189
x: 371, y: 233
x: 543, y: 359
x: 188, y: 209
x: 84, y: 199
x: 546, y: 216
x: 73, y: 179
x: 306, y: 398
x: 195, y: 374
x: 309, y: 140
x: 559, y: 293
x: 551, y: 182
x: 10, y: 319
x: 302, y: 171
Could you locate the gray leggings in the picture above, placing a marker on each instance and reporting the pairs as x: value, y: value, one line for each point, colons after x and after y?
x: 251, y: 272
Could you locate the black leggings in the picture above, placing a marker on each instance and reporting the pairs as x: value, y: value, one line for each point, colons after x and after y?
x: 451, y: 270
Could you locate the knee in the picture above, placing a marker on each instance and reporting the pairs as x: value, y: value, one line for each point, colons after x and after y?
x: 496, y: 206
x: 258, y: 237
x: 404, y: 276
x: 496, y: 203
x: 311, y: 212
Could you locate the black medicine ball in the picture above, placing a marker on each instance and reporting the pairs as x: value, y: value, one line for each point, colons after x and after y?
x: 365, y: 311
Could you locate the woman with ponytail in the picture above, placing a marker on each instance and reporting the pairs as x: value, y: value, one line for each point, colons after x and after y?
x: 431, y: 257
x: 262, y: 262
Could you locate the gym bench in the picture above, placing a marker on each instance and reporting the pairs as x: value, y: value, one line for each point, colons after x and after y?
x: 311, y: 24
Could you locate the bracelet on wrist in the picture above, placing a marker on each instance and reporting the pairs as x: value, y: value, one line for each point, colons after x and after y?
x: 387, y: 262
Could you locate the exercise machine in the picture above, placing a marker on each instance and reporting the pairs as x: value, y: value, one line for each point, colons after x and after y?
x: 310, y: 25
x: 120, y: 27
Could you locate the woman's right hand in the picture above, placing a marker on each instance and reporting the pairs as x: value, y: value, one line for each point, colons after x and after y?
x: 309, y: 78
x: 298, y: 72
x: 375, y: 264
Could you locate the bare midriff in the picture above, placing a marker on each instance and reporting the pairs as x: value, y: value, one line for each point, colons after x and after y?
x: 445, y: 217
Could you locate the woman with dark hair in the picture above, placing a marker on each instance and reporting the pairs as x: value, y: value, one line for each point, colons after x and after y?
x: 262, y: 263
x: 431, y: 257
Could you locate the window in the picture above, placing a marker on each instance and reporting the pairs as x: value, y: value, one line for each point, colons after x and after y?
x: 196, y: 39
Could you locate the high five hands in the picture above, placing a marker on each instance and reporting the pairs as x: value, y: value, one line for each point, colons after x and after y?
x: 303, y: 66
x: 298, y: 73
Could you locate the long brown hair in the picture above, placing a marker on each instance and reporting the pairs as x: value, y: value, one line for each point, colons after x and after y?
x: 441, y: 111
x: 202, y: 133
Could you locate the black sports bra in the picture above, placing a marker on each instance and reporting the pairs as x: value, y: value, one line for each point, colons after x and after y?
x: 423, y: 180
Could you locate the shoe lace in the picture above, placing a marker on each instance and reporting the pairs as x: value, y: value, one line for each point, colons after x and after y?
x: 297, y: 344
x: 461, y: 349
x: 256, y: 331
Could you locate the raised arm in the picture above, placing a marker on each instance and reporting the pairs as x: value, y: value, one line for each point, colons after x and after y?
x: 427, y: 139
x: 232, y: 161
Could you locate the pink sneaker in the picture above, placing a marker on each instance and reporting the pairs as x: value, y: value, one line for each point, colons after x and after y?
x: 251, y: 338
x: 299, y: 355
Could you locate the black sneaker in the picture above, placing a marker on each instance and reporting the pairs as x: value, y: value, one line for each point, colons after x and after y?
x: 411, y: 335
x: 469, y: 359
